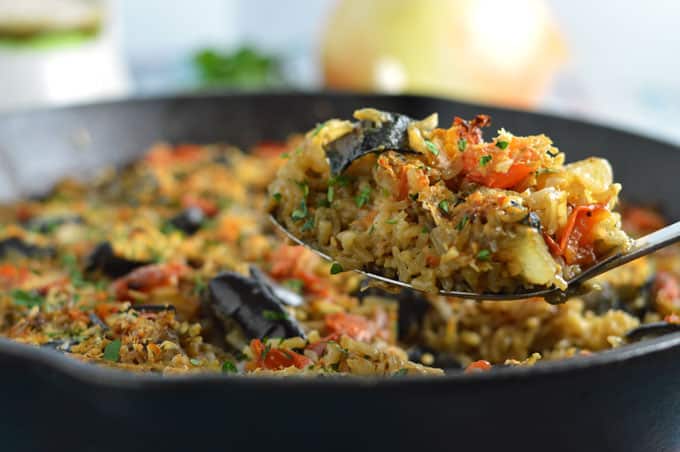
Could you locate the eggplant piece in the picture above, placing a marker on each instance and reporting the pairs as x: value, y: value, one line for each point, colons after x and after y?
x: 104, y: 259
x: 45, y: 225
x: 532, y: 220
x: 366, y: 138
x: 252, y: 304
x: 188, y: 221
x: 16, y: 245
x: 651, y: 330
x: 443, y: 360
x: 412, y: 308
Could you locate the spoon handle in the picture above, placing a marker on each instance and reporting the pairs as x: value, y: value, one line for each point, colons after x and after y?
x: 641, y: 247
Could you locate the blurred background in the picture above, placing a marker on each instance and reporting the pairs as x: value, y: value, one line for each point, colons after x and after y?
x: 614, y: 62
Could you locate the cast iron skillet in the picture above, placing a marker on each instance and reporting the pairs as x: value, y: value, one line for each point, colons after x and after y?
x: 626, y: 399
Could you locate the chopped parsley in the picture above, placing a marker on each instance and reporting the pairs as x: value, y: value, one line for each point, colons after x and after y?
x: 463, y: 221
x: 485, y: 159
x: 444, y: 206
x: 301, y: 212
x: 330, y: 194
x: 502, y: 144
x: 112, y: 351
x: 413, y: 196
x: 285, y: 155
x: 336, y: 268
x: 308, y: 226
x: 266, y: 350
x: 392, y: 221
x: 195, y: 362
x: 462, y: 144
x: 199, y: 284
x: 229, y: 367
x: 362, y: 198
x: 304, y: 187
x: 323, y: 202
x: 294, y: 284
x: 277, y: 197
x: 401, y: 372
x: 318, y: 128
x: 484, y: 255
x: 432, y: 147
x: 26, y: 298
x: 274, y: 315
x: 424, y: 230
x: 340, y: 181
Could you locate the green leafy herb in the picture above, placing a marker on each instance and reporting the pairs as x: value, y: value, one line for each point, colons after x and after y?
x: 392, y: 221
x: 229, y: 367
x: 424, y: 230
x: 485, y: 159
x: 363, y: 197
x: 318, y: 128
x: 401, y: 372
x: 463, y: 221
x: 195, y: 362
x: 432, y: 147
x: 274, y: 315
x: 75, y: 275
x: 330, y: 194
x: 25, y: 298
x: 296, y: 285
x: 372, y: 229
x: 444, y: 206
x: 336, y: 268
x: 462, y: 144
x: 277, y: 197
x: 484, y: 255
x: 244, y: 68
x: 308, y: 226
x: 112, y: 351
x: 199, y: 284
x: 285, y: 155
x: 322, y: 202
x: 301, y: 212
x: 304, y: 187
x: 413, y: 196
x: 267, y: 349
x: 502, y: 144
x: 341, y: 181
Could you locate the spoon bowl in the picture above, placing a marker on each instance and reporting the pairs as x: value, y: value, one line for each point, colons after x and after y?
x: 641, y: 247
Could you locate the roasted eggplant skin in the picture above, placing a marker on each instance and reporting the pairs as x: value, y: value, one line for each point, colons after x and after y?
x: 366, y: 138
x: 104, y: 259
x: 252, y: 304
x: 16, y: 245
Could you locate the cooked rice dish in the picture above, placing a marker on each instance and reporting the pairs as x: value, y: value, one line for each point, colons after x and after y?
x: 169, y: 265
x: 443, y: 209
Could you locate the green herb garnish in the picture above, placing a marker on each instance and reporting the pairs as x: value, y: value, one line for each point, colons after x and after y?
x: 336, y: 268
x: 294, y: 284
x: 199, y: 284
x: 502, y: 144
x: 362, y: 198
x: 25, y: 298
x: 195, y: 362
x: 318, y: 128
x: 308, y: 226
x: 413, y: 196
x: 444, y: 206
x: 229, y: 367
x: 304, y: 187
x: 424, y: 230
x: 330, y: 194
x: 463, y: 221
x: 112, y: 351
x: 432, y: 147
x: 392, y: 221
x: 322, y: 202
x: 485, y: 159
x: 245, y: 67
x: 400, y: 373
x: 484, y: 255
x: 266, y: 350
x: 277, y: 197
x: 301, y: 212
x: 274, y: 315
x: 462, y: 144
x: 285, y: 155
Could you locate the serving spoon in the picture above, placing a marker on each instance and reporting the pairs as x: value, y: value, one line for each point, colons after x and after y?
x: 641, y: 247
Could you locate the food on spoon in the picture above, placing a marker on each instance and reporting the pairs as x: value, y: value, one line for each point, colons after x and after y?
x: 440, y: 208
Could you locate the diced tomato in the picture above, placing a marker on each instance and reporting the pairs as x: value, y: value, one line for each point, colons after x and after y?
x: 78, y: 316
x: 432, y: 260
x: 103, y: 310
x: 291, y: 262
x: 666, y: 289
x: 269, y: 148
x: 274, y: 358
x: 354, y: 326
x: 478, y: 366
x: 59, y: 282
x: 576, y: 239
x: 147, y: 278
x: 208, y: 207
x: 641, y: 220
x: 11, y: 276
x: 672, y: 318
x: 320, y: 347
x: 525, y: 162
x: 163, y: 154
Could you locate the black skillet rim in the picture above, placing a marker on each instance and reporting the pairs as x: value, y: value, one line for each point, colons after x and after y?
x: 101, y: 376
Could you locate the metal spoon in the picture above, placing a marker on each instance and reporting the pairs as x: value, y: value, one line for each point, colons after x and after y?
x: 641, y: 247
